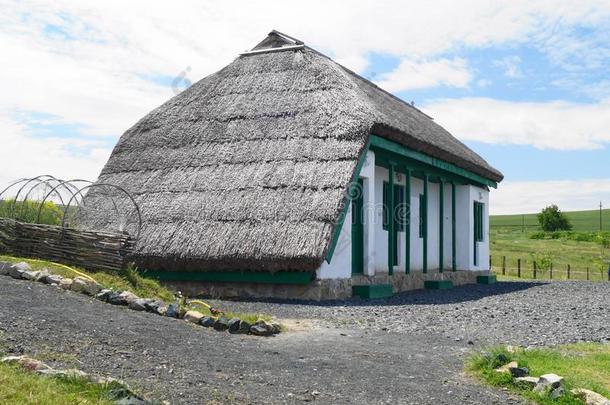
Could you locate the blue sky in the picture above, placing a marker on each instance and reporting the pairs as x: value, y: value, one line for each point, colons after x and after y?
x: 523, y: 83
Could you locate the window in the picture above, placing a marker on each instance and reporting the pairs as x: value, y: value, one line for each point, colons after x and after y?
x: 478, y: 221
x: 399, y: 198
x: 422, y: 215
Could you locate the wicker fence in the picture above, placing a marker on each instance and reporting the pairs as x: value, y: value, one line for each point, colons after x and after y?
x: 86, y: 249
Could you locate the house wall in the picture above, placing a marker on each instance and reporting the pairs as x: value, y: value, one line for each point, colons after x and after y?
x: 376, y: 238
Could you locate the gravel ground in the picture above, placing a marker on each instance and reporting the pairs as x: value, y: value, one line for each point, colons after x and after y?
x: 408, y: 349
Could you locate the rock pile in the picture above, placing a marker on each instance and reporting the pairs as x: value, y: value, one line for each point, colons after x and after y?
x: 84, y: 285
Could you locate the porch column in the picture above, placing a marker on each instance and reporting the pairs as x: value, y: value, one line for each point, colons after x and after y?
x: 390, y: 210
x: 425, y: 227
x: 453, y: 244
x: 441, y: 218
x: 408, y: 221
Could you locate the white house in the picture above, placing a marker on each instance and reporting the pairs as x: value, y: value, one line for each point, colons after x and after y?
x: 285, y: 174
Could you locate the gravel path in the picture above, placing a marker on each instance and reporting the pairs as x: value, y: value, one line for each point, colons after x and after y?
x: 408, y: 350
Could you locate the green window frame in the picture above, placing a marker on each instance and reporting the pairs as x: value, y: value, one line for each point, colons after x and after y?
x: 399, y: 197
x: 422, y: 216
x: 478, y: 209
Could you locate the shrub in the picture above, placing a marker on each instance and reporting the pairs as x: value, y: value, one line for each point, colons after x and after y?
x: 552, y: 219
x: 27, y: 211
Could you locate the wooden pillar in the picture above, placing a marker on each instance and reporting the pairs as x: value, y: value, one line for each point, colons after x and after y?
x: 453, y: 240
x: 391, y: 214
x: 408, y: 221
x: 425, y: 227
x: 441, y: 220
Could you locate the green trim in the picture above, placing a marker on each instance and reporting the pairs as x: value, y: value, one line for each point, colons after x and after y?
x: 358, y: 231
x: 441, y: 220
x: 372, y: 291
x: 453, y: 240
x: 337, y: 230
x: 391, y: 228
x: 393, y: 147
x: 487, y: 279
x: 438, y: 284
x: 280, y: 277
x: 408, y: 222
x: 425, y: 228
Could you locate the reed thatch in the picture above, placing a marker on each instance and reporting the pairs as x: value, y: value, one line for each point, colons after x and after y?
x: 247, y: 168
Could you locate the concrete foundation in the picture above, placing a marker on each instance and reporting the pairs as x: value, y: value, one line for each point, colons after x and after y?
x: 328, y: 289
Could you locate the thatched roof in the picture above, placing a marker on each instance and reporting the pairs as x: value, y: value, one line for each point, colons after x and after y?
x: 247, y: 168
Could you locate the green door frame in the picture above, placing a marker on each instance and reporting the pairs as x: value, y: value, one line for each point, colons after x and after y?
x: 358, y: 230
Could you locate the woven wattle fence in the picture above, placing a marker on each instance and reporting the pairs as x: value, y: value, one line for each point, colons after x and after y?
x: 86, y: 249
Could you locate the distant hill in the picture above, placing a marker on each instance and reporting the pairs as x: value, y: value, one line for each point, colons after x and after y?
x: 584, y: 221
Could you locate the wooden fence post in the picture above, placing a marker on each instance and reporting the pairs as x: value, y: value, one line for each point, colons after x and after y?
x: 534, y: 269
x: 503, y: 265
x: 519, y: 268
x: 568, y: 271
x: 587, y: 274
x: 551, y: 271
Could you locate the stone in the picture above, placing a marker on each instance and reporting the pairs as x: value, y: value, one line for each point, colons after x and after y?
x: 153, y: 305
x: 590, y: 397
x: 4, y: 268
x: 86, y: 286
x: 52, y: 279
x: 67, y: 373
x: 193, y: 316
x: 557, y: 393
x: 234, y: 325
x: 260, y: 330
x: 548, y: 382
x: 173, y: 311
x: 30, y: 275
x: 221, y: 324
x: 276, y: 327
x: 207, y: 321
x: 501, y: 359
x: 519, y: 371
x: 44, y: 273
x: 506, y: 368
x: 16, y: 270
x: 66, y: 283
x: 121, y: 298
x: 104, y: 294
x: 530, y: 382
x: 26, y: 362
x: 139, y: 304
x: 244, y: 327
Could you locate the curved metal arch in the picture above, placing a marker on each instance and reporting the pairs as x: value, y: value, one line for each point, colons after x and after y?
x: 121, y: 189
x: 82, y: 200
x: 66, y: 185
x: 37, y: 178
x: 13, y: 184
x: 41, y: 183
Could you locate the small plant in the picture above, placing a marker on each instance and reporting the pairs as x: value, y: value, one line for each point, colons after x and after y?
x: 552, y: 219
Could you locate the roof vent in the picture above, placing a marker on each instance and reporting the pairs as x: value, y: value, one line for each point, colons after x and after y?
x: 276, y: 41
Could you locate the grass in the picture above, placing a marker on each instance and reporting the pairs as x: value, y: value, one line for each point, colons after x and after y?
x: 583, y: 365
x: 580, y: 255
x: 582, y: 221
x: 129, y: 279
x: 19, y: 386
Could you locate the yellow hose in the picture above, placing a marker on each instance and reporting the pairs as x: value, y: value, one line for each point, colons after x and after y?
x: 200, y: 303
x: 67, y: 267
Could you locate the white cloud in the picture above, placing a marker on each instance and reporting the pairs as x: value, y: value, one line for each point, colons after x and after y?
x: 510, y: 65
x: 552, y: 125
x: 412, y: 74
x: 518, y: 197
x: 88, y: 62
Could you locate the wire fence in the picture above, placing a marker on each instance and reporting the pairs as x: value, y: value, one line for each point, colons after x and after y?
x: 530, y: 269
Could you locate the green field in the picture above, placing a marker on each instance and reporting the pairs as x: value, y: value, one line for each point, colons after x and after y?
x: 582, y: 221
x: 512, y: 241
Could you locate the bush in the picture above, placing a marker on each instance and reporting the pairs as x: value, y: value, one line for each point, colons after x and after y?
x: 552, y: 219
x: 27, y: 211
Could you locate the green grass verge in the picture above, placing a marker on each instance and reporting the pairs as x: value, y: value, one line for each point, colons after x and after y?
x: 19, y: 386
x: 131, y: 280
x: 583, y: 365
